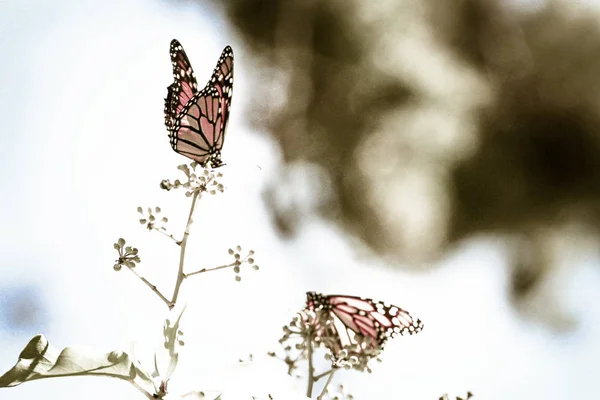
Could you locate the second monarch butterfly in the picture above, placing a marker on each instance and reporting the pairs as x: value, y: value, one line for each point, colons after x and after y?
x: 367, y: 320
x: 196, y: 120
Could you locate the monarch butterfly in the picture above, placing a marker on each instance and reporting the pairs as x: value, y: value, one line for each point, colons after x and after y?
x: 196, y: 120
x: 356, y: 319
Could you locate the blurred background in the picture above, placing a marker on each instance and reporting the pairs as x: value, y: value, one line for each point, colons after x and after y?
x: 441, y: 156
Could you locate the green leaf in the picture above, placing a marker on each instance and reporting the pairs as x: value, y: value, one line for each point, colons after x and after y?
x: 39, y: 360
x: 171, y: 332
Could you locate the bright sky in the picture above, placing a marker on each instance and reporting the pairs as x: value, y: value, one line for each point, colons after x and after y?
x: 82, y: 144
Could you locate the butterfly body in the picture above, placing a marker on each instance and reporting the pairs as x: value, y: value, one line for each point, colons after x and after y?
x: 355, y: 317
x: 197, y: 120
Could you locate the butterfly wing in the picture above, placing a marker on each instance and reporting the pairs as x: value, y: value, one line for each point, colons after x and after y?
x: 184, y: 87
x: 373, y: 319
x: 369, y: 319
x: 196, y: 127
x: 196, y: 121
x: 222, y: 81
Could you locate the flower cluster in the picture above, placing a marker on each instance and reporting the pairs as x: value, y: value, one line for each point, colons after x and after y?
x: 127, y: 255
x: 202, y: 181
x: 312, y: 329
x: 239, y: 260
x: 151, y: 220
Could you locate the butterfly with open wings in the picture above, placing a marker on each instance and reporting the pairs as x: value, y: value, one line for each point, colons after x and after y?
x: 355, y: 320
x: 197, y: 120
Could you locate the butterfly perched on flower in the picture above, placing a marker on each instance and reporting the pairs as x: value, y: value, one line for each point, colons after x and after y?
x: 360, y: 321
x: 197, y: 120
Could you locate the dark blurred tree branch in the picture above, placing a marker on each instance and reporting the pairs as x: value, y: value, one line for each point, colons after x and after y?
x: 432, y: 122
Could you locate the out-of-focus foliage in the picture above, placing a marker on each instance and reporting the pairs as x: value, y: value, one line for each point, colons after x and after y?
x: 23, y: 308
x: 422, y: 123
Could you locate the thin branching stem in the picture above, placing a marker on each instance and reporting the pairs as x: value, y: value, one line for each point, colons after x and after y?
x: 209, y: 269
x: 178, y: 242
x: 327, y: 384
x: 144, y: 391
x: 151, y: 286
x: 183, y: 244
x: 311, y: 379
x: 291, y: 364
x: 317, y: 377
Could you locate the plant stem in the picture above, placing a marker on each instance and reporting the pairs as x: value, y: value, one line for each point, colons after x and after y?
x: 168, y: 235
x: 183, y: 244
x: 317, y: 377
x: 209, y: 270
x: 151, y: 286
x: 311, y: 380
x: 327, y: 384
x: 141, y: 389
